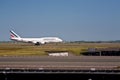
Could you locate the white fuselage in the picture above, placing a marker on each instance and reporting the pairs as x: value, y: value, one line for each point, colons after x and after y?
x: 39, y: 40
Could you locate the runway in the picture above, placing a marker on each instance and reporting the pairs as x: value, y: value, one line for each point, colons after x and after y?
x: 70, y: 62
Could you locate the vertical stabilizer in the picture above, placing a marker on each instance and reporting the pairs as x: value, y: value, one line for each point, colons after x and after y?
x: 13, y: 35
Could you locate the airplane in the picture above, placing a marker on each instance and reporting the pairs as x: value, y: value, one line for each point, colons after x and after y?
x: 36, y: 41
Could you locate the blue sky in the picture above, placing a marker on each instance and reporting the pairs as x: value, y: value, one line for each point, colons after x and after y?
x: 71, y: 20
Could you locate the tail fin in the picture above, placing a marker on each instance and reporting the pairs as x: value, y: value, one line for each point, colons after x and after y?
x: 13, y: 35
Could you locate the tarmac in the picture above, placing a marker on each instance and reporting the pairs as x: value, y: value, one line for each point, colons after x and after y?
x: 69, y: 62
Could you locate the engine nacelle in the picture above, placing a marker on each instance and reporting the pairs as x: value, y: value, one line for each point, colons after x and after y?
x: 37, y: 43
x: 42, y: 42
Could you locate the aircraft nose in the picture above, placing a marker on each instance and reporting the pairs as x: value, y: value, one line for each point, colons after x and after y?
x: 61, y: 40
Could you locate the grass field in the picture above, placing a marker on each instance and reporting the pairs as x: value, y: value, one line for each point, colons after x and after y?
x: 26, y: 49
